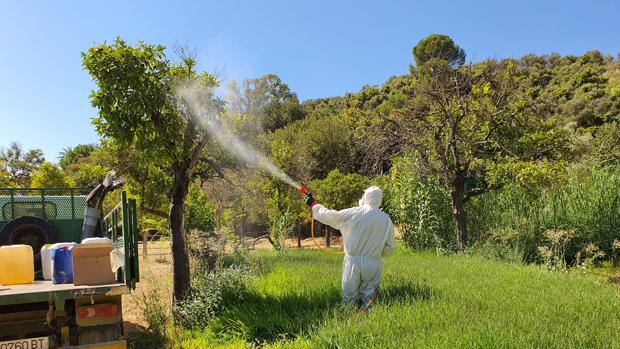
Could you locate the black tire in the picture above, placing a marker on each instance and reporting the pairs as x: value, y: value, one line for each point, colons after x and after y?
x: 27, y: 230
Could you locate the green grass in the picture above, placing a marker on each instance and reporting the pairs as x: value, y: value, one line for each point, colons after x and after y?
x: 428, y: 301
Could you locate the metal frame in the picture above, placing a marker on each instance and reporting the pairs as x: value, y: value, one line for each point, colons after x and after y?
x: 66, y: 215
x: 124, y: 216
x: 58, y: 297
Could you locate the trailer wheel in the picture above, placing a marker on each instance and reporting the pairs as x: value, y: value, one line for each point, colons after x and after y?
x: 27, y: 230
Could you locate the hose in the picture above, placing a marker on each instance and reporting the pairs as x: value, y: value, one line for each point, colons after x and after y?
x: 305, y: 191
x: 317, y: 244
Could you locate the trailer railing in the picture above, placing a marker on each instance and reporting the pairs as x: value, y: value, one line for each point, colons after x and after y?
x: 46, y: 203
x: 121, y: 226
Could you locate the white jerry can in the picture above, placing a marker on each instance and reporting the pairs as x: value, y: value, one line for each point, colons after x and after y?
x: 47, y: 258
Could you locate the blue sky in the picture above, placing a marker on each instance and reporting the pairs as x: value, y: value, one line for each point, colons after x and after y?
x: 320, y: 48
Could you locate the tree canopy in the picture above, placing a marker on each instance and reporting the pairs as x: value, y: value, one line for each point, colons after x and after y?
x: 50, y: 176
x: 439, y: 47
x: 18, y: 165
x: 139, y: 108
x: 71, y: 155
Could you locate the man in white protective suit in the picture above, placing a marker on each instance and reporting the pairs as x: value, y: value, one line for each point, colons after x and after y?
x: 368, y: 235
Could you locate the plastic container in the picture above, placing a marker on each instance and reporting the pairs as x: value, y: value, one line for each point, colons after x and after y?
x: 47, y: 258
x: 16, y: 265
x: 101, y: 241
x: 63, y: 265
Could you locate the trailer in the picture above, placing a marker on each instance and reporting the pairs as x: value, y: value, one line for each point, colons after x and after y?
x: 43, y: 315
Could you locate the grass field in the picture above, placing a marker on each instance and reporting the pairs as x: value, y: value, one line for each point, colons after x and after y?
x: 428, y: 301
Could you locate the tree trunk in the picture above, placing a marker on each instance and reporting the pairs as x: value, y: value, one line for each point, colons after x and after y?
x: 180, y: 258
x: 145, y: 238
x: 461, y: 228
x: 458, y: 211
x: 242, y: 225
x: 328, y: 237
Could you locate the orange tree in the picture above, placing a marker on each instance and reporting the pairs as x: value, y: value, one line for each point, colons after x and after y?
x: 138, y: 108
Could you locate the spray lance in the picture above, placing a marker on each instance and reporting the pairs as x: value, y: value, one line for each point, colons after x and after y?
x: 309, y: 198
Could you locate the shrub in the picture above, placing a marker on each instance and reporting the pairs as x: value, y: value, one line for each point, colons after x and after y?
x: 590, y: 256
x: 554, y: 253
x: 615, y: 247
x: 199, y: 210
x: 239, y: 256
x: 206, y: 249
x: 501, y: 245
x: 281, y: 227
x: 420, y: 206
x: 211, y: 293
x: 338, y: 190
x: 153, y: 309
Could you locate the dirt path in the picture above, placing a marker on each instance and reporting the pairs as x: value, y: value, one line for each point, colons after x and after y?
x: 155, y: 279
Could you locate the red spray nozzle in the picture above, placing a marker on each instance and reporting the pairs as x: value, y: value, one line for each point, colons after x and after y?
x: 303, y: 190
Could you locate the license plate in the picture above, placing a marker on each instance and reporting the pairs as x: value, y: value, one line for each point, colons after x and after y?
x: 30, y: 343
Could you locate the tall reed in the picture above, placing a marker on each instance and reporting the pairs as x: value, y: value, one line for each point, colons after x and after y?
x: 588, y: 203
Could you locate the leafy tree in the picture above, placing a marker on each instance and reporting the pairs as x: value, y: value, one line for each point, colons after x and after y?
x: 376, y: 148
x: 199, y: 210
x: 311, y: 148
x: 339, y: 191
x: 266, y: 101
x: 50, y: 176
x: 587, y: 101
x: 474, y: 127
x: 607, y: 144
x: 368, y: 98
x: 577, y: 90
x: 86, y: 174
x: 440, y: 47
x: 138, y: 108
x: 146, y: 177
x: 69, y: 155
x: 322, y: 107
x: 19, y: 165
x: 613, y: 75
x: 5, y: 180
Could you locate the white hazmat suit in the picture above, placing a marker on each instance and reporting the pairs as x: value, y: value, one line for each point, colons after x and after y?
x: 368, y: 234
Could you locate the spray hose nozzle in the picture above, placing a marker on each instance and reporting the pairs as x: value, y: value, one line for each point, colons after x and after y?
x: 304, y: 191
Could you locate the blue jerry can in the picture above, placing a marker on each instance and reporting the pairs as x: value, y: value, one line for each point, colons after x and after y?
x: 63, y: 265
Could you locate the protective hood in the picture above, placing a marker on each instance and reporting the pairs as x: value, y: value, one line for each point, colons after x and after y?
x: 372, y: 197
